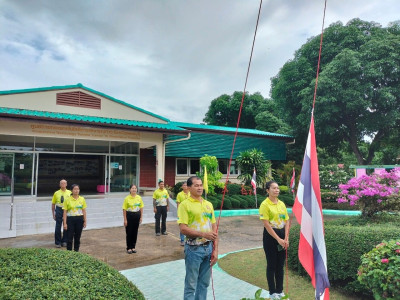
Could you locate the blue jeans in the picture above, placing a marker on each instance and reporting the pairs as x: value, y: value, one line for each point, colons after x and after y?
x: 57, y: 232
x: 182, y: 236
x: 198, y: 271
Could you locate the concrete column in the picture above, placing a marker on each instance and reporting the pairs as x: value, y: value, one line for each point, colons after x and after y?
x: 159, y: 162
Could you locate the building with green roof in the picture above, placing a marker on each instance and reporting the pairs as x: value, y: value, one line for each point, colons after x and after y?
x: 105, y: 144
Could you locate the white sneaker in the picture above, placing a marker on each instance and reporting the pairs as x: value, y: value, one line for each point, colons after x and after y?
x: 274, y: 296
x: 281, y: 295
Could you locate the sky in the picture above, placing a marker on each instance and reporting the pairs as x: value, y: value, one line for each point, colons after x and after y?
x: 169, y: 57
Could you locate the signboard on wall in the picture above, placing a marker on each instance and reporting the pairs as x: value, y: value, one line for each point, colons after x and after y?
x: 114, y: 165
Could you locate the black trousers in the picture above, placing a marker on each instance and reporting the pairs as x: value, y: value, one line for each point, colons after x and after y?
x: 75, y: 227
x: 161, y: 213
x: 131, y: 229
x: 275, y: 261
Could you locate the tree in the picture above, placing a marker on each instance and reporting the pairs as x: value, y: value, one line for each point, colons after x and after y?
x: 257, y: 113
x: 224, y: 110
x: 249, y: 160
x: 358, y: 97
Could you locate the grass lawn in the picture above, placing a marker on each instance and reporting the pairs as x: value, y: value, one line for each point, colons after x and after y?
x: 250, y: 266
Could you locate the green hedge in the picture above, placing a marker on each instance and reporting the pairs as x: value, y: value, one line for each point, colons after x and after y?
x: 287, y: 199
x: 234, y: 189
x: 347, y: 239
x: 49, y: 273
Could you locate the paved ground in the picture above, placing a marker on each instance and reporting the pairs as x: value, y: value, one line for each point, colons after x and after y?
x: 161, y: 256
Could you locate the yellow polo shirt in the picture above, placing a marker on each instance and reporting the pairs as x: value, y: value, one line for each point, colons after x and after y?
x: 182, y: 196
x: 132, y: 204
x: 74, y: 207
x: 57, y: 197
x: 198, y: 216
x: 276, y: 214
x: 161, y: 197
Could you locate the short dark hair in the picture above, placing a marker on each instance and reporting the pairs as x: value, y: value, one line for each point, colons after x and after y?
x: 189, y: 182
x: 160, y: 182
x: 132, y: 185
x: 268, y: 184
x: 74, y: 185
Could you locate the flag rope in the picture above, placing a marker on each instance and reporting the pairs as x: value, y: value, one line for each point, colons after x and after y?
x: 236, y: 132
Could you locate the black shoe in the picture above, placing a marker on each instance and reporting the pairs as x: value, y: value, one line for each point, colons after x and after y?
x: 158, y: 234
x: 64, y: 244
x: 164, y: 233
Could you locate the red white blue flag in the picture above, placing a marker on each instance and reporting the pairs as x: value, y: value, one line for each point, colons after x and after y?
x: 293, y: 181
x: 253, y: 181
x: 308, y: 211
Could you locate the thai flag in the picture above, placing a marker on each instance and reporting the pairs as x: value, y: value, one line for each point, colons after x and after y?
x: 308, y: 211
x: 253, y: 181
x: 293, y: 181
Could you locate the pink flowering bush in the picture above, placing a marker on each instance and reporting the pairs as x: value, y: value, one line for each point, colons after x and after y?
x: 380, y: 270
x: 374, y: 193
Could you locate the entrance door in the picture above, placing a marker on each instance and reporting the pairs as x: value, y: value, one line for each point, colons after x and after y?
x: 123, y: 173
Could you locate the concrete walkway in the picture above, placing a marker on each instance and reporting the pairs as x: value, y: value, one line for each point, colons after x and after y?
x: 171, y: 276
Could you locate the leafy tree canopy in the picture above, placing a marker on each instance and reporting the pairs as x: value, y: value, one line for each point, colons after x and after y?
x: 358, y: 97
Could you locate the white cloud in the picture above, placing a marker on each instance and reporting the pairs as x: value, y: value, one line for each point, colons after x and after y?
x: 169, y: 57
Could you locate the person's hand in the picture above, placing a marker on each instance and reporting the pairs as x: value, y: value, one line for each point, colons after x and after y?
x: 54, y: 217
x: 65, y: 227
x: 125, y: 223
x: 282, y: 243
x: 155, y: 210
x: 286, y: 244
x: 84, y: 224
x: 211, y: 236
x: 167, y: 207
x: 214, y: 257
x: 140, y: 221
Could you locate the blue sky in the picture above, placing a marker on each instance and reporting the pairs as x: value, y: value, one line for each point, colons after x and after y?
x: 169, y: 57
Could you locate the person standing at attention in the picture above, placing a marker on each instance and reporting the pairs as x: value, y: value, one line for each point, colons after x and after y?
x: 132, y: 210
x: 274, y: 215
x: 56, y: 208
x: 161, y: 207
x: 74, y: 217
x: 196, y: 221
x: 182, y: 196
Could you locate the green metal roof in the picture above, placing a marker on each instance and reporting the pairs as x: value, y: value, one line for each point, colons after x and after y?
x: 243, y: 131
x: 81, y: 86
x: 220, y: 145
x: 89, y: 119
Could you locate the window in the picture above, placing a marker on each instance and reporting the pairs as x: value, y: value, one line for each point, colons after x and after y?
x: 91, y: 146
x: 53, y: 144
x: 223, y: 167
x: 16, y: 142
x: 125, y: 147
x: 194, y: 166
x: 181, y: 166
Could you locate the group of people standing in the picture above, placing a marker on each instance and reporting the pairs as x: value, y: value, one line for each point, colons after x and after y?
x: 197, y: 224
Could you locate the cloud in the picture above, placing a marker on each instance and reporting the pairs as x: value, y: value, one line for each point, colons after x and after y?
x: 169, y: 57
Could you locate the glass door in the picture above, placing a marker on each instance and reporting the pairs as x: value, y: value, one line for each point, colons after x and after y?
x: 123, y: 173
x: 6, y: 173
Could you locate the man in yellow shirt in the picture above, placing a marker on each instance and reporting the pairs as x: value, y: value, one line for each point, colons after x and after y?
x: 161, y: 208
x: 56, y: 208
x: 196, y: 221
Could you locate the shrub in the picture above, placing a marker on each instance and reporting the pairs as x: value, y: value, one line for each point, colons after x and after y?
x: 346, y: 241
x: 235, y: 203
x: 287, y: 199
x: 331, y: 176
x: 380, y: 270
x: 176, y: 189
x: 244, y: 203
x: 261, y: 191
x: 328, y: 196
x: 227, y: 204
x: 340, y: 206
x: 374, y: 193
x: 234, y: 189
x: 48, y: 273
x: 283, y: 189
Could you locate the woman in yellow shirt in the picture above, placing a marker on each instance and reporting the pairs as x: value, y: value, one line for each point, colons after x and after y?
x: 74, y: 217
x: 132, y: 209
x: 274, y: 215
